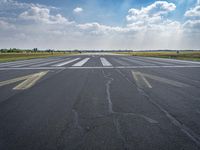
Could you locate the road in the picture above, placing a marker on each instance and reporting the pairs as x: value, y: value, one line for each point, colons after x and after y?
x: 100, y: 102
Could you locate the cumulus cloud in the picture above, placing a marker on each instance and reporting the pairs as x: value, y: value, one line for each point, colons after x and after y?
x: 193, y: 22
x: 151, y: 13
x: 193, y: 12
x: 78, y: 10
x: 149, y: 27
x: 153, y: 18
x: 41, y: 14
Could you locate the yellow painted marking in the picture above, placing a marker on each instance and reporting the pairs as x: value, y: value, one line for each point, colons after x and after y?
x: 140, y: 79
x: 143, y: 76
x: 28, y: 81
x: 147, y: 82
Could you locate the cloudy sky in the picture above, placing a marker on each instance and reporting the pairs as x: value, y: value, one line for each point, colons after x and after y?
x: 100, y: 24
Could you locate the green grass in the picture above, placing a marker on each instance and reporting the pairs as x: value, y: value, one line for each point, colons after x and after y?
x: 5, y: 57
x: 182, y: 55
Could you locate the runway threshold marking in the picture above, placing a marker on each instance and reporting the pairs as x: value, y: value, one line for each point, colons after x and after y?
x: 141, y: 80
x: 47, y: 63
x: 105, y: 62
x: 28, y: 81
x: 81, y: 63
x: 67, y: 62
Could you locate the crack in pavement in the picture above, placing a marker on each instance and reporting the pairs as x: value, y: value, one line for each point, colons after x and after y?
x: 75, y: 126
x: 118, y: 114
x: 186, y: 130
x: 76, y: 121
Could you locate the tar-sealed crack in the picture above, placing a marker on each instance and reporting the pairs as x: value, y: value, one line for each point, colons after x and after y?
x: 187, y: 131
x: 117, y: 115
x: 108, y: 83
x: 76, y: 121
x: 85, y: 131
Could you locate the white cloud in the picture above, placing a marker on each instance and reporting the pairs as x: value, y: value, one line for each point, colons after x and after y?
x: 146, y: 28
x: 192, y: 24
x: 41, y: 14
x: 153, y: 18
x: 152, y: 13
x: 5, y: 25
x: 78, y: 10
x: 193, y: 12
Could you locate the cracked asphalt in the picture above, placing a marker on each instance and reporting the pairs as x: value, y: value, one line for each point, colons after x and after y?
x: 103, y: 108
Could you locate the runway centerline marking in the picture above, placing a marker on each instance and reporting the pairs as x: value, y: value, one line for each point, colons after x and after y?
x: 28, y: 81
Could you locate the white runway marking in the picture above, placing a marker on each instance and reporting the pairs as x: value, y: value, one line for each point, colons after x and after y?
x: 117, y: 67
x: 105, y: 62
x: 81, y: 63
x: 31, y: 63
x: 67, y: 62
x: 18, y: 62
x: 48, y: 63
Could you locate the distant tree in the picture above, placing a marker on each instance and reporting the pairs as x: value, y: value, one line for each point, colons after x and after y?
x: 35, y: 49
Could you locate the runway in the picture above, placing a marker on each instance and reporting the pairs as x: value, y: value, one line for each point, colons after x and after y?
x: 100, y: 102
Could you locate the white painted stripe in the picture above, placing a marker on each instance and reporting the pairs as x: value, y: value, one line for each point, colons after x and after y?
x: 31, y: 63
x: 116, y: 67
x: 81, y: 63
x: 19, y: 62
x: 132, y: 67
x: 105, y: 62
x: 67, y: 62
x: 48, y: 63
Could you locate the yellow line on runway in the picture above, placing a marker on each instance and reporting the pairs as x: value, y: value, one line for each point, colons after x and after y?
x: 28, y: 81
x: 141, y: 80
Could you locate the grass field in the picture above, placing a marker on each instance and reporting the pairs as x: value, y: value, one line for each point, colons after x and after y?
x: 4, y: 57
x: 182, y: 55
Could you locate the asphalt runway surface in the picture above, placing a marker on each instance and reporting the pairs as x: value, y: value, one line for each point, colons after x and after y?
x: 100, y: 102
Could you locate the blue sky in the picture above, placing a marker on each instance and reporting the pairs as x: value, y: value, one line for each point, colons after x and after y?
x: 100, y: 24
x: 110, y: 12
